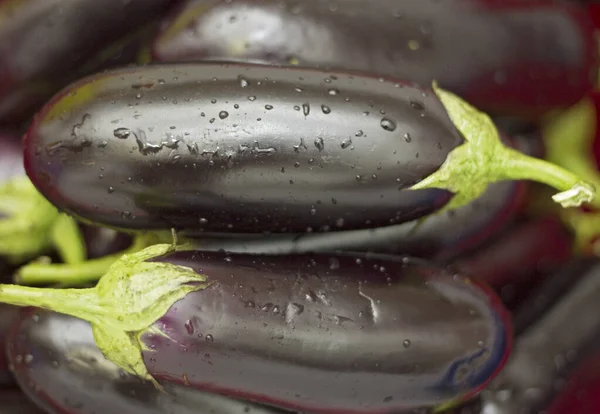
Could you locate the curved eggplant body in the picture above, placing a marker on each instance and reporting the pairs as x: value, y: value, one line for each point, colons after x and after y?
x: 240, y: 149
x: 45, y: 44
x: 329, y: 333
x: 506, y: 57
x: 14, y: 402
x: 60, y: 368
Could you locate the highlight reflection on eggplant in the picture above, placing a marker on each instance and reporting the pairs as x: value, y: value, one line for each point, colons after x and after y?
x: 264, y: 149
x: 45, y: 44
x: 322, y: 333
x: 62, y: 370
x: 506, y: 57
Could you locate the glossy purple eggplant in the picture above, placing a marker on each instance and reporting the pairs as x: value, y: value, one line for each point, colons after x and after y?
x: 546, y: 348
x: 517, y: 57
x: 318, y: 333
x: 58, y: 365
x: 259, y: 149
x: 14, y: 402
x: 45, y: 44
x: 520, y: 257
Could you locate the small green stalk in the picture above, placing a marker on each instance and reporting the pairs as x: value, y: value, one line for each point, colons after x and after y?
x: 129, y: 298
x: 482, y: 159
x: 32, y: 226
x: 40, y: 272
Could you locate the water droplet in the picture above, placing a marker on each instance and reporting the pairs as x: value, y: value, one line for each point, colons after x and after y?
x: 299, y: 90
x: 268, y: 107
x: 243, y: 82
x: 313, y: 211
x: 333, y: 92
x: 326, y: 110
x: 297, y: 164
x: 111, y: 190
x: 406, y: 343
x: 346, y: 143
x: 122, y: 133
x: 189, y: 327
x: 223, y: 114
x: 276, y: 310
x: 209, y: 338
x: 319, y: 143
x: 359, y: 133
x: 306, y: 109
x: 292, y: 310
x: 213, y: 101
x: 252, y: 98
x: 388, y: 124
x: 407, y: 137
x: 418, y: 106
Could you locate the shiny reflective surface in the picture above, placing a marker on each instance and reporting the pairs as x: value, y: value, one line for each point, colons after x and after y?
x: 330, y: 333
x: 45, y: 44
x: 59, y: 366
x: 502, y: 56
x: 546, y: 347
x: 240, y: 149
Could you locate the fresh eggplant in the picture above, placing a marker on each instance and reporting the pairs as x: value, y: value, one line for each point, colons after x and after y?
x: 7, y: 316
x: 520, y: 257
x: 58, y: 365
x: 46, y: 44
x: 519, y: 57
x: 546, y: 348
x: 254, y: 149
x: 325, y: 333
x: 14, y: 402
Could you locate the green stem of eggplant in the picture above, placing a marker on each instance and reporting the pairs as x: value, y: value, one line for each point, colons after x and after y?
x: 574, y: 191
x: 81, y: 303
x: 68, y: 240
x: 76, y: 274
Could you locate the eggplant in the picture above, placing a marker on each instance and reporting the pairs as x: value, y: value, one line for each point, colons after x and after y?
x: 504, y: 57
x: 545, y: 349
x: 255, y: 149
x: 58, y: 366
x: 7, y: 315
x: 14, y: 402
x: 325, y: 333
x: 520, y: 257
x: 46, y: 44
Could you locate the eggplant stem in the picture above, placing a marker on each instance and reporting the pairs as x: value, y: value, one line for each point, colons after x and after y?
x: 483, y: 159
x: 68, y: 239
x: 74, y: 274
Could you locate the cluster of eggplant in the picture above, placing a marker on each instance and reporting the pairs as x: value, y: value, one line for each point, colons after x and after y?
x: 282, y: 206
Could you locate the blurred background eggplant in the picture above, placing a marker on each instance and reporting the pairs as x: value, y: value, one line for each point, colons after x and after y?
x: 14, y: 402
x: 519, y: 57
x: 59, y: 367
x: 549, y: 344
x: 45, y: 44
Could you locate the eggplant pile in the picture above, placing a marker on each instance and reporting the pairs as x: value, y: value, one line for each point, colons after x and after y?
x: 273, y: 206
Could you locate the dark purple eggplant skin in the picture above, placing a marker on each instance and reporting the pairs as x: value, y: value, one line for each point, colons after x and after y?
x: 11, y: 156
x: 506, y: 57
x: 46, y: 44
x: 329, y: 333
x: 15, y: 402
x: 240, y: 149
x: 441, y: 237
x: 8, y: 314
x: 58, y: 365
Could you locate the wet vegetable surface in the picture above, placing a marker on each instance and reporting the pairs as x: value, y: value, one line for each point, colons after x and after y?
x: 60, y: 368
x: 502, y: 56
x: 264, y: 149
x: 45, y: 44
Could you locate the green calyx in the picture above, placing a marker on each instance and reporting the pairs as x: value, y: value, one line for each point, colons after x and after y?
x: 41, y: 272
x: 129, y: 298
x: 31, y: 226
x: 483, y: 159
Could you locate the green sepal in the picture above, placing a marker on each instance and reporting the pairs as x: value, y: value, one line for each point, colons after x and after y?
x: 483, y: 159
x: 129, y: 298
